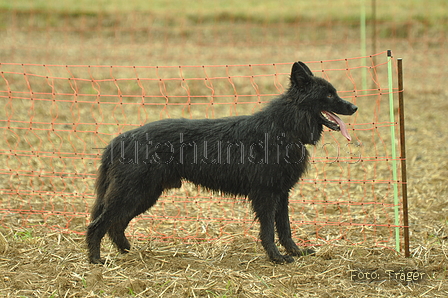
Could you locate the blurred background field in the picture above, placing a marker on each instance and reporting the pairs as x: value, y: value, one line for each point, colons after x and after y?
x: 244, y: 38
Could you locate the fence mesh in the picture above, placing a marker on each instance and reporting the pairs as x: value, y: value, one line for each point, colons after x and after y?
x: 56, y: 118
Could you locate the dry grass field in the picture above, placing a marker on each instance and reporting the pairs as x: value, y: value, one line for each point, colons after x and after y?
x: 46, y: 261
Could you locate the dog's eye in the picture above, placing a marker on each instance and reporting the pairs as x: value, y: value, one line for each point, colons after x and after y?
x: 330, y: 95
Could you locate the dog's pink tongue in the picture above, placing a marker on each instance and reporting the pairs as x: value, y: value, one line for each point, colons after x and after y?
x: 341, y: 124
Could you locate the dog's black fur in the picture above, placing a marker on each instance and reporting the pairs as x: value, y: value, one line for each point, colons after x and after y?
x: 260, y: 156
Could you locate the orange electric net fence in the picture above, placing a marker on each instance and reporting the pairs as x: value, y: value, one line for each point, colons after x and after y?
x: 56, y: 118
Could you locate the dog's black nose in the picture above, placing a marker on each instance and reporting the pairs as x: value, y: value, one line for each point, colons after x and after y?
x: 353, y: 108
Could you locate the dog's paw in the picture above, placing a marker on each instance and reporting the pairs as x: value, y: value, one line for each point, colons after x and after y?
x: 282, y: 259
x: 302, y: 252
x: 96, y: 261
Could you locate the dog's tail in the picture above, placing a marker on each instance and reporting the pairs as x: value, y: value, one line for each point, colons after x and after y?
x: 101, y: 184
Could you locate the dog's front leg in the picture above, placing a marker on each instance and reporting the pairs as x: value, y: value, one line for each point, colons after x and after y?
x: 264, y: 207
x: 284, y: 229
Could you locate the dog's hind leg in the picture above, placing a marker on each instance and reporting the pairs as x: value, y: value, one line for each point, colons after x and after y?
x: 113, y: 210
x: 284, y: 228
x: 115, y: 217
x: 116, y: 234
x: 95, y: 232
x: 116, y: 231
x: 264, y: 205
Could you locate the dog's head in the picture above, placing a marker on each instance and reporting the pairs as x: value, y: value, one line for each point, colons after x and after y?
x: 319, y: 97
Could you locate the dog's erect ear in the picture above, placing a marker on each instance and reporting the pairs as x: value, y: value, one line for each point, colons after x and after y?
x: 301, y: 74
x: 306, y: 68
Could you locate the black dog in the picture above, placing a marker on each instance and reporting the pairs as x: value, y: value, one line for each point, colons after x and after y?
x: 260, y: 156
